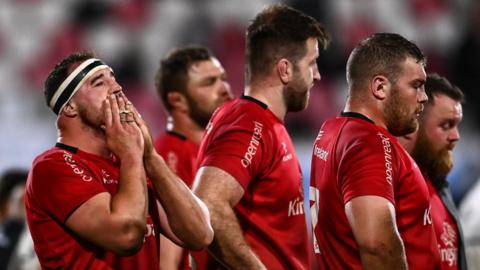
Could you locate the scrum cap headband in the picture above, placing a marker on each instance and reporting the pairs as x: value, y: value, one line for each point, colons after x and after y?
x: 73, y: 82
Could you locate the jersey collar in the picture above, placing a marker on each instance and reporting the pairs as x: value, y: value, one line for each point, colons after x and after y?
x: 263, y: 105
x: 177, y: 134
x: 67, y: 147
x: 356, y: 115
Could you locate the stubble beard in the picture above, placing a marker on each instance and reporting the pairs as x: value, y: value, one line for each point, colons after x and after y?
x: 296, y: 94
x: 89, y: 119
x: 199, y: 115
x: 399, y: 120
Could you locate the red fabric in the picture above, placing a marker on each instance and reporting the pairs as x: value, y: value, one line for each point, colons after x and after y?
x: 59, y: 182
x: 446, y: 230
x: 353, y: 157
x: 251, y: 144
x: 180, y: 154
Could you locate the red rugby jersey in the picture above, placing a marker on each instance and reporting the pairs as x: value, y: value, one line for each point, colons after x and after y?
x: 180, y: 154
x: 446, y: 230
x: 62, y: 179
x: 245, y: 139
x: 353, y: 157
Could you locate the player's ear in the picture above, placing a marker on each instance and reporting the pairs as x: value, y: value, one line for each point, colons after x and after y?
x: 380, y: 86
x: 70, y: 109
x: 177, y: 101
x: 284, y: 69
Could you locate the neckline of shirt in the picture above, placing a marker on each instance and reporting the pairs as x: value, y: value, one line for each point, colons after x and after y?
x: 263, y: 105
x: 357, y: 115
x: 177, y: 134
x: 77, y: 151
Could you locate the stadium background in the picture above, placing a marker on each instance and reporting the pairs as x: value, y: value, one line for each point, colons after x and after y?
x: 132, y: 35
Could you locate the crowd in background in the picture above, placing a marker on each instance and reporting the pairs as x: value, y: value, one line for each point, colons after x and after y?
x: 132, y: 35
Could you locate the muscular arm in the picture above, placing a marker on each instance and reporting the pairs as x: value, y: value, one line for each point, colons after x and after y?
x: 221, y: 192
x: 188, y: 217
x: 170, y: 254
x: 372, y: 219
x: 184, y: 217
x: 117, y: 222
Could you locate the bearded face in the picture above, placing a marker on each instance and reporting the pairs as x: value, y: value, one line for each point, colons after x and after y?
x: 199, y: 115
x: 436, y: 160
x: 90, y: 118
x: 401, y: 118
x: 296, y: 93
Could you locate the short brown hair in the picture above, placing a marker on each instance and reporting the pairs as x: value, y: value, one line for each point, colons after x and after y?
x: 437, y: 84
x: 61, y: 71
x: 278, y: 32
x: 172, y: 76
x: 380, y: 54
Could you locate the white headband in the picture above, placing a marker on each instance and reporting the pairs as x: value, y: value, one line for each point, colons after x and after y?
x: 73, y: 82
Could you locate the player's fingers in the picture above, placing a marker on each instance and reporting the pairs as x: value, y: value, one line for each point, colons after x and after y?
x: 115, y: 110
x: 136, y: 115
x: 107, y: 112
x: 121, y: 102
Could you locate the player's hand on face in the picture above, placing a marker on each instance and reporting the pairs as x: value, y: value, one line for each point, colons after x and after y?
x: 147, y: 137
x: 123, y: 135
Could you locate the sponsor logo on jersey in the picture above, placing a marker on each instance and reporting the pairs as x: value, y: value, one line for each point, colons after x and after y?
x: 320, y: 153
x: 253, y: 145
x: 286, y: 155
x: 387, y: 151
x: 75, y: 169
x: 449, y: 251
x: 107, y: 179
x: 295, y: 207
x: 427, y: 219
x: 149, y: 229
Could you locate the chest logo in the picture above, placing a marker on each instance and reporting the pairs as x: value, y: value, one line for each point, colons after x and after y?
x: 253, y: 145
x: 107, y: 178
x: 75, y: 168
x: 449, y: 237
x: 295, y: 207
x: 449, y: 250
x: 427, y: 219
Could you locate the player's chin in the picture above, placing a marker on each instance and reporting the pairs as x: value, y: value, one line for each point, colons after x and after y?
x: 409, y: 128
x: 224, y: 100
x: 414, y: 125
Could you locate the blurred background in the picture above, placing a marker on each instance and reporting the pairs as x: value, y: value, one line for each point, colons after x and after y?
x: 132, y: 35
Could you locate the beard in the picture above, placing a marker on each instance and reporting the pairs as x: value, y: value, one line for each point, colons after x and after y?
x: 199, y: 115
x: 399, y: 120
x: 89, y: 119
x: 296, y: 94
x: 436, y: 163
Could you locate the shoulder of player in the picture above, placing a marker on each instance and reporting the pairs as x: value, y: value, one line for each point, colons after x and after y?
x: 171, y: 141
x: 369, y: 138
x: 52, y: 155
x: 50, y: 164
x: 178, y: 152
x: 57, y: 159
x: 243, y: 116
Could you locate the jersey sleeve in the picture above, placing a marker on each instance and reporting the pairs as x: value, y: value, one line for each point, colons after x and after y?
x: 366, y: 168
x: 238, y: 149
x: 60, y: 185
